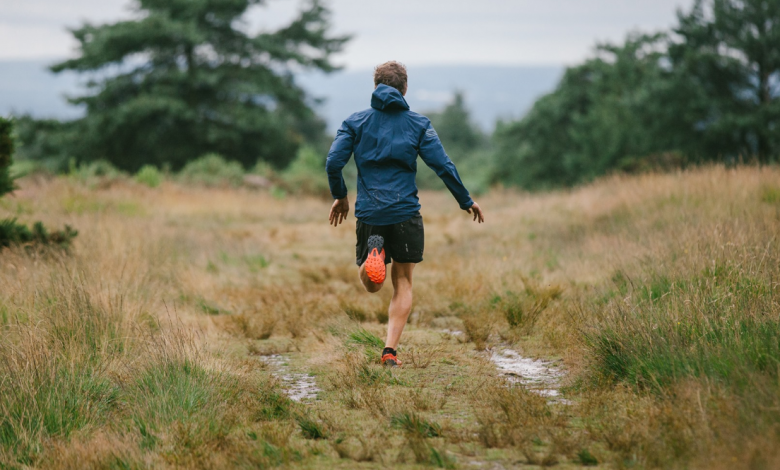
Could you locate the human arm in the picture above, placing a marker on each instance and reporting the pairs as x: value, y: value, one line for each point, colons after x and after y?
x: 338, y: 156
x: 432, y: 153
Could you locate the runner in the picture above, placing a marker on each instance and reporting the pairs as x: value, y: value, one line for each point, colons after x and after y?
x: 386, y: 140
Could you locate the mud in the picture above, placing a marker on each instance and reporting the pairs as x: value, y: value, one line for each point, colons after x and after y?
x: 299, y: 387
x: 539, y: 376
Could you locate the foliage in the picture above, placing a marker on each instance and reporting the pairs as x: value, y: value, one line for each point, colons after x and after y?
x: 465, y: 144
x: 48, y: 142
x: 306, y: 174
x: 6, y: 156
x: 12, y: 232
x: 726, y: 51
x: 455, y: 128
x: 212, y: 170
x: 98, y: 172
x: 708, y: 90
x: 603, y: 115
x: 183, y: 78
x: 149, y: 175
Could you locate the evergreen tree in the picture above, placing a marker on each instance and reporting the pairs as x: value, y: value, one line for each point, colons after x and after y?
x: 183, y: 79
x: 11, y: 232
x: 454, y: 126
x: 6, y: 153
x: 465, y: 144
x: 729, y: 51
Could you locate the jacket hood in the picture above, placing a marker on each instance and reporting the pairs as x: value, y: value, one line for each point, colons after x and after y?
x: 387, y: 98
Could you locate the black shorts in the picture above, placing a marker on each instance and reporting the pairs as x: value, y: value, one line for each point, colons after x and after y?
x: 404, y: 241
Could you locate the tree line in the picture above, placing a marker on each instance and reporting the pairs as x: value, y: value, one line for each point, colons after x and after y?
x: 705, y: 91
x: 183, y: 79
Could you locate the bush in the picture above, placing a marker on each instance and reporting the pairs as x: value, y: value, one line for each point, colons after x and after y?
x: 212, y: 170
x: 99, y: 173
x: 306, y: 174
x: 149, y: 175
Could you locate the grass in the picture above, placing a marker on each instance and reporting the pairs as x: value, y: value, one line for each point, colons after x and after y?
x: 141, y: 347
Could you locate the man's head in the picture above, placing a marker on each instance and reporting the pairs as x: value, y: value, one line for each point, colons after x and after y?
x: 391, y: 74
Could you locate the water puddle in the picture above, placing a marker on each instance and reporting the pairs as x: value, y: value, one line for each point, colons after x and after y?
x: 299, y: 387
x: 456, y: 333
x: 539, y: 376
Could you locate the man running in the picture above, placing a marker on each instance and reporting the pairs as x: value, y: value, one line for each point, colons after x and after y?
x: 386, y: 140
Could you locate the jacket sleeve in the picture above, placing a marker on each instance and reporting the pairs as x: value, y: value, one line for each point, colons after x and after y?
x: 338, y: 156
x: 433, y: 154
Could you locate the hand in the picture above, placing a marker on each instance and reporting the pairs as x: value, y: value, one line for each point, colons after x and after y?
x: 339, y: 211
x: 477, y: 212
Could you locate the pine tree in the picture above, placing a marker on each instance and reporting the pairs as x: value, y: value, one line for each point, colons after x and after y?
x: 455, y: 128
x: 11, y: 232
x: 6, y: 152
x: 184, y: 79
x: 730, y: 49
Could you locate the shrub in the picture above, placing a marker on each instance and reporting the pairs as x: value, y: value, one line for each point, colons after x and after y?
x: 212, y: 170
x: 97, y: 173
x: 306, y: 174
x: 149, y: 175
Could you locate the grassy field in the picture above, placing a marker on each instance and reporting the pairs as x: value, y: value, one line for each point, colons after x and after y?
x: 148, y: 344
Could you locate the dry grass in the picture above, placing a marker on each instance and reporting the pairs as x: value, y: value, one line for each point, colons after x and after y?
x: 141, y: 348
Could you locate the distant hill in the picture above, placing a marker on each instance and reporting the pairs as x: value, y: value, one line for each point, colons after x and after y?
x: 491, y: 92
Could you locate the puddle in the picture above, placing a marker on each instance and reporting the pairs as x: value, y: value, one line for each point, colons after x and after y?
x: 539, y: 376
x: 299, y: 387
x: 452, y: 332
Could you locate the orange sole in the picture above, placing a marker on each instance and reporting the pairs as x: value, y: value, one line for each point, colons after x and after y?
x: 375, y: 266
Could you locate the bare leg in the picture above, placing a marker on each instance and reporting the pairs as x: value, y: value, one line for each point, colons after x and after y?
x: 401, y: 304
x: 368, y: 283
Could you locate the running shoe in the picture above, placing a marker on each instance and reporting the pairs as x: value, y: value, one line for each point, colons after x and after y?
x: 390, y: 360
x: 375, y: 263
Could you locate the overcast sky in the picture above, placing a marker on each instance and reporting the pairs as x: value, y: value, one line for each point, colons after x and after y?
x: 416, y: 32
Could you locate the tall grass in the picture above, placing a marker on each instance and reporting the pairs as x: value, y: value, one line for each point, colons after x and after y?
x: 658, y: 294
x: 720, y: 323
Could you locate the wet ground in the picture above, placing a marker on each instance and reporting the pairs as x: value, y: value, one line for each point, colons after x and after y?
x: 299, y: 387
x: 541, y: 377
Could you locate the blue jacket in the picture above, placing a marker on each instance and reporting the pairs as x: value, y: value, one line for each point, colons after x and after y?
x: 386, y: 140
